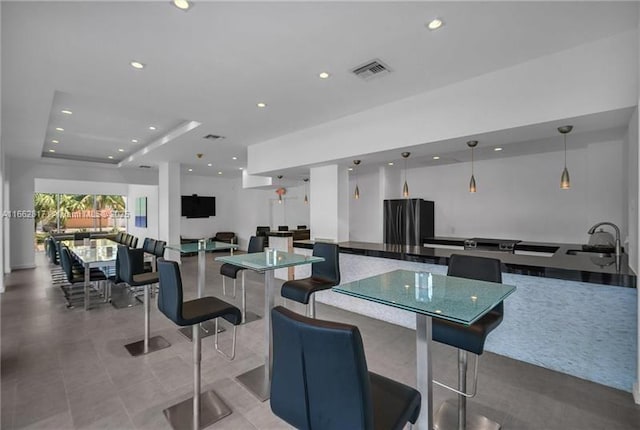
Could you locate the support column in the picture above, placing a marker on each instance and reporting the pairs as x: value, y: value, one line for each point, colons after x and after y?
x: 169, y: 206
x: 329, y: 203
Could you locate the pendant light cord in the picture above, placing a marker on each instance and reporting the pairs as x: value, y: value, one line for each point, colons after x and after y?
x: 472, y: 161
x: 565, y: 150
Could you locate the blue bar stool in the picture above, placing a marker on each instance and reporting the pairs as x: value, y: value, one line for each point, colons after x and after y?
x: 203, y: 409
x: 227, y: 270
x: 467, y: 339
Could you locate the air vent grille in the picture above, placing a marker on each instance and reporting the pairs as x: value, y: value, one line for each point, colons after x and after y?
x: 144, y: 166
x: 371, y: 69
x: 213, y: 137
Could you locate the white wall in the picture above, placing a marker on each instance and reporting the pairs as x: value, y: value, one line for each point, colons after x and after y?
x: 517, y: 198
x: 224, y: 190
x: 22, y: 180
x: 595, y: 77
x: 152, y: 229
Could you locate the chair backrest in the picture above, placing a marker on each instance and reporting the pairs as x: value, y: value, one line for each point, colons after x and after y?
x: 283, y: 228
x: 159, y: 249
x: 130, y: 262
x: 118, y: 238
x: 320, y: 378
x: 65, y: 262
x: 256, y: 244
x: 329, y: 269
x: 134, y: 242
x: 262, y: 230
x: 149, y: 245
x: 302, y: 227
x: 170, y: 290
x: 480, y: 268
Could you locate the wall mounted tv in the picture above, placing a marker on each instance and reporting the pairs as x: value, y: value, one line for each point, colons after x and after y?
x: 196, y: 206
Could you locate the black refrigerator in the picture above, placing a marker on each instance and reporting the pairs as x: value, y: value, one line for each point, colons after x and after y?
x: 408, y: 221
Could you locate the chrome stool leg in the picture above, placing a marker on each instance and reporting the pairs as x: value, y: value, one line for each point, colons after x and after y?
x: 203, y: 409
x: 148, y: 344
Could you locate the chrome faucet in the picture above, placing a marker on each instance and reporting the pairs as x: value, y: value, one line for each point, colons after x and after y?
x: 618, y: 249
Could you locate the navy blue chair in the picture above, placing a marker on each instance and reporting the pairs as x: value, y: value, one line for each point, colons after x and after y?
x: 131, y: 271
x: 227, y: 270
x: 467, y: 339
x: 324, y: 275
x: 320, y: 379
x: 206, y: 408
x: 75, y: 275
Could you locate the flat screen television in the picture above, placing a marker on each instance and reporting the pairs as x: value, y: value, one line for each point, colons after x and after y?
x: 198, y: 206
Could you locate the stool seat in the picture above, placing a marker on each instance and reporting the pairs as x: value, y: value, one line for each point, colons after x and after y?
x: 300, y: 290
x: 208, y: 308
x: 470, y: 338
x: 230, y: 270
x: 144, y: 279
x: 394, y: 404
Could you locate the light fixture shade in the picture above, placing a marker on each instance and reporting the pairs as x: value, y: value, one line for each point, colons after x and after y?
x: 306, y: 199
x: 279, y: 198
x: 472, y: 184
x: 565, y: 181
x: 356, y: 194
x: 405, y: 189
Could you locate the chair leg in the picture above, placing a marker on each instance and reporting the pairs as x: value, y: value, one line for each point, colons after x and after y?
x: 312, y: 306
x: 197, y: 357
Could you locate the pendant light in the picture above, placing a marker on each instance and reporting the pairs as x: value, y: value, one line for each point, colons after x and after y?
x: 405, y: 187
x: 278, y: 191
x: 306, y: 198
x: 565, y: 181
x: 472, y: 183
x: 356, y: 193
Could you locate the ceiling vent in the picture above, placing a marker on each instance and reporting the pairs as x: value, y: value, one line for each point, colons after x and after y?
x: 371, y: 69
x: 144, y: 166
x: 213, y: 137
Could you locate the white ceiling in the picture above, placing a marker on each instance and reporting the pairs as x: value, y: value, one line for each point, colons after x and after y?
x: 215, y: 62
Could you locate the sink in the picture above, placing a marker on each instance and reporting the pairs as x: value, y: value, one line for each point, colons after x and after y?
x: 598, y: 254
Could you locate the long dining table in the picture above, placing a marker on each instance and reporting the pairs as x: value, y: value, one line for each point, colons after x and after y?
x: 429, y: 296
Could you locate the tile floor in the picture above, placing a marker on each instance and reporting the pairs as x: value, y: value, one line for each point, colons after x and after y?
x: 67, y: 369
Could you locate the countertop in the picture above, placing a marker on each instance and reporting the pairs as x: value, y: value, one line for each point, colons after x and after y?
x: 558, y: 264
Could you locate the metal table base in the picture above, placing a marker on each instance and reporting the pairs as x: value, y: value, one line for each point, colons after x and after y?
x: 212, y: 409
x: 156, y: 343
x: 257, y: 382
x: 447, y: 419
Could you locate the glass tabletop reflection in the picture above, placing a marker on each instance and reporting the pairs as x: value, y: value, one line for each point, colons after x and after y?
x: 209, y: 245
x: 460, y: 300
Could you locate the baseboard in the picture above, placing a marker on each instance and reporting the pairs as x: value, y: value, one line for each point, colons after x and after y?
x: 636, y: 393
x: 23, y: 266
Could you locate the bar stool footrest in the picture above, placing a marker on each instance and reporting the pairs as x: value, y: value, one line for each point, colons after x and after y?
x: 207, y: 328
x: 156, y: 343
x: 212, y: 409
x: 447, y: 419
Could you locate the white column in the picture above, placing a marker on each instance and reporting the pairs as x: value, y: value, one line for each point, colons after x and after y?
x: 169, y: 206
x: 329, y: 203
x: 636, y: 221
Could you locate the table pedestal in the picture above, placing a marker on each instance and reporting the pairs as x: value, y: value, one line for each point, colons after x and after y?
x: 258, y: 380
x: 423, y: 372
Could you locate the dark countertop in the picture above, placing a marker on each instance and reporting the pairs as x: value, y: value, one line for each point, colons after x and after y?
x: 288, y: 233
x: 559, y: 265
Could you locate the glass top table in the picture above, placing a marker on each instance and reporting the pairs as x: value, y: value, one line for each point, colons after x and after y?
x: 463, y: 301
x: 258, y: 380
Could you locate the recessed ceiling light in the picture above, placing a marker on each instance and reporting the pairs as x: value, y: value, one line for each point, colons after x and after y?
x: 191, y: 170
x: 134, y: 140
x: 261, y: 105
x: 240, y: 168
x: 151, y: 127
x: 350, y: 169
x: 67, y: 112
x: 324, y: 75
x: 110, y: 157
x: 234, y: 158
x: 54, y: 141
x: 390, y: 163
x: 137, y: 65
x: 120, y: 150
x: 435, y: 24
x: 182, y: 4
x: 219, y: 173
x: 435, y: 157
x: 209, y: 164
x: 59, y: 129
x: 52, y: 150
x: 497, y: 149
